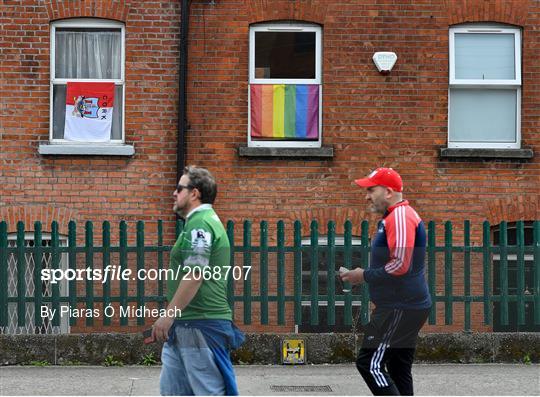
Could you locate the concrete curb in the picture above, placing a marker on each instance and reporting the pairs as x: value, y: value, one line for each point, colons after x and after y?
x: 117, y: 348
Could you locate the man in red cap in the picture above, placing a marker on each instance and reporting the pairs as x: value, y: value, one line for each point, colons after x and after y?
x: 397, y: 287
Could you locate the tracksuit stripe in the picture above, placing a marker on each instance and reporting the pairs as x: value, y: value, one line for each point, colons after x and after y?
x: 401, y: 241
x: 379, y: 354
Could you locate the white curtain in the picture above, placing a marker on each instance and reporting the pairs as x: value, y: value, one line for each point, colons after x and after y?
x: 87, y: 54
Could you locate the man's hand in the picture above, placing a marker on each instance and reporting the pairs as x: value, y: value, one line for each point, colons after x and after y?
x: 184, y: 294
x: 160, y: 329
x: 355, y: 276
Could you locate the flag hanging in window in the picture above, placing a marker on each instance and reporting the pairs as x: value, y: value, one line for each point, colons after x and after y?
x: 89, y: 111
x: 284, y: 111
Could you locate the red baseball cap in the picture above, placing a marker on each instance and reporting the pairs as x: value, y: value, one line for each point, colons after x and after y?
x: 382, y: 177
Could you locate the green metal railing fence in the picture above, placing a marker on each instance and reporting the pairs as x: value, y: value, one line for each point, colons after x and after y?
x: 277, y: 276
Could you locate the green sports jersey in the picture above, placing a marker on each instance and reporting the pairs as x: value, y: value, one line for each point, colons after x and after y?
x: 202, y: 250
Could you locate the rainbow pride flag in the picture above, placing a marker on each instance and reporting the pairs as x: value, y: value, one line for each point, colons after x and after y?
x: 284, y: 111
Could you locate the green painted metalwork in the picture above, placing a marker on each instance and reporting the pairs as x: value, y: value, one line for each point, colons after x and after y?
x: 230, y: 280
x: 314, y: 273
x: 279, y: 259
x: 467, y: 272
x: 536, y: 258
x: 297, y: 272
x: 364, y: 238
x: 448, y: 281
x: 55, y: 264
x: 21, y: 282
x: 38, y: 286
x: 503, y: 271
x: 281, y: 272
x: 486, y: 259
x: 347, y: 263
x: 3, y: 274
x: 106, y: 230
x: 263, y: 275
x: 247, y: 298
x: 72, y: 259
x: 89, y: 253
x: 140, y: 267
x: 123, y: 266
x: 330, y: 273
x: 520, y: 237
x: 432, y: 272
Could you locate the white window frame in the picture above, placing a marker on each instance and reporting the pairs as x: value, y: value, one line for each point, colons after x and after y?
x: 511, y: 84
x: 87, y: 23
x: 285, y: 27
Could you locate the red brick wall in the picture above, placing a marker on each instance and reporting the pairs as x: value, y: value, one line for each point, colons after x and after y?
x: 399, y: 120
x: 93, y: 187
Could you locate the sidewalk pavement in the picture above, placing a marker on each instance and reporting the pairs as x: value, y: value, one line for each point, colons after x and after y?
x: 322, y: 380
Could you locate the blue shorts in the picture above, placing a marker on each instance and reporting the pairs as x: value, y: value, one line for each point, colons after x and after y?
x: 189, y: 367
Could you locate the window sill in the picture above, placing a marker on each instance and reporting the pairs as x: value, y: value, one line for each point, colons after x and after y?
x: 487, y: 153
x: 322, y: 152
x: 89, y: 149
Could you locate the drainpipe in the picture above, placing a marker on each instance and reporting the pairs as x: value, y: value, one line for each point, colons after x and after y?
x: 182, y: 117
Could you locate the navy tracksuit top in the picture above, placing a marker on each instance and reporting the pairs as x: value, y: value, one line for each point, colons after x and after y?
x: 395, y: 275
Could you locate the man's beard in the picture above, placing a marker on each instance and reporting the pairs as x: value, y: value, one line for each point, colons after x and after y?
x: 178, y: 211
x: 372, y: 209
x: 375, y: 209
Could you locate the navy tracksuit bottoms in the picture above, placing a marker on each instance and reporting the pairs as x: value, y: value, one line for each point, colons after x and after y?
x: 387, y: 353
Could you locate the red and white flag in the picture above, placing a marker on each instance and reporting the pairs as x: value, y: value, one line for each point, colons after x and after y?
x: 89, y: 111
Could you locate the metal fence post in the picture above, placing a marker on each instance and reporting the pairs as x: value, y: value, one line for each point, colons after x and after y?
x: 536, y: 261
x: 72, y: 262
x: 503, y: 271
x: 106, y: 229
x: 281, y: 272
x: 467, y: 273
x: 38, y: 286
x: 55, y: 261
x: 347, y: 259
x: 247, y: 280
x: 263, y: 275
x: 331, y: 274
x: 432, y: 272
x: 140, y: 267
x: 3, y: 275
x: 21, y: 282
x: 520, y: 240
x: 230, y: 280
x: 448, y: 268
x: 89, y: 250
x: 314, y: 269
x: 297, y: 272
x: 365, y: 263
x: 123, y: 266
x: 486, y: 257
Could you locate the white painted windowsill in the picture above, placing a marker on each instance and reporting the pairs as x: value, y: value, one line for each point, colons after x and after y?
x: 87, y: 149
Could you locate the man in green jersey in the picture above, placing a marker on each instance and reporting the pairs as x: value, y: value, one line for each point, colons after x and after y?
x: 195, y: 356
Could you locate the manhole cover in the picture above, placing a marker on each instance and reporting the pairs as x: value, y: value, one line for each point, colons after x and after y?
x: 302, y: 389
